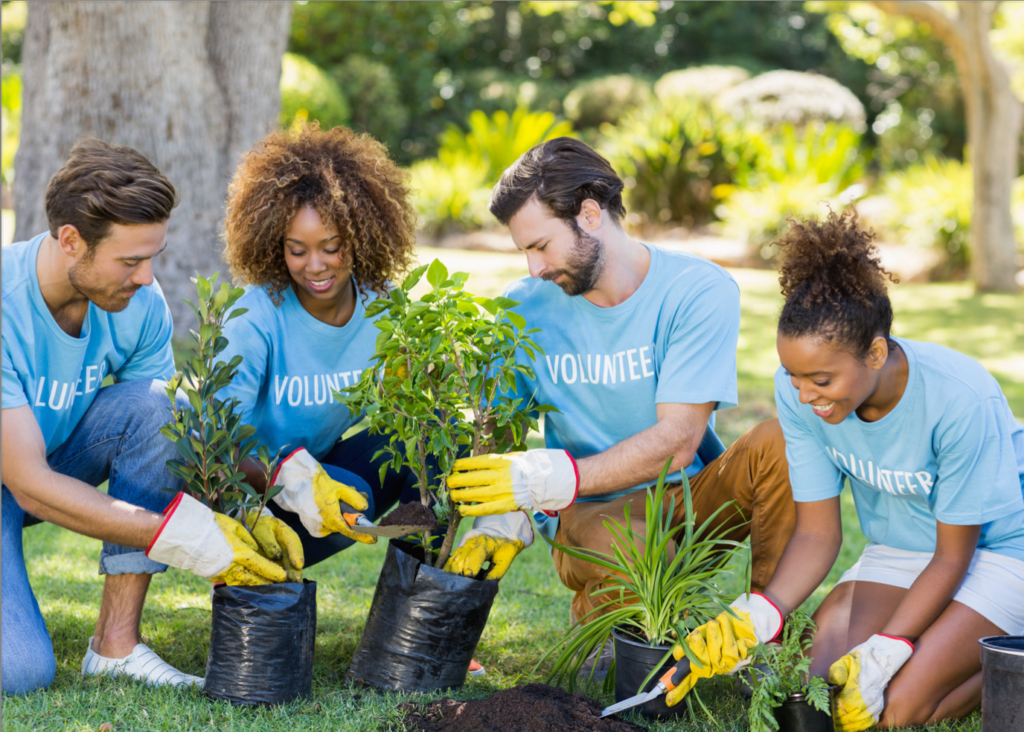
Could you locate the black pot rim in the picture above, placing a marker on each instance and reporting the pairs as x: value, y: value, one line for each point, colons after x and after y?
x: 415, y: 551
x: 622, y: 634
x: 992, y: 643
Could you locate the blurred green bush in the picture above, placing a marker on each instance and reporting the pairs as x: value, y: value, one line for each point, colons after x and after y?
x: 803, y: 171
x: 673, y: 157
x: 10, y: 121
x: 308, y: 93
x: 374, y: 98
x: 930, y: 205
x: 795, y: 97
x: 451, y: 191
x: 606, y: 100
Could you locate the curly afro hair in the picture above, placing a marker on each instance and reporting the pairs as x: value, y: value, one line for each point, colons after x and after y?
x: 834, y: 285
x: 350, y: 181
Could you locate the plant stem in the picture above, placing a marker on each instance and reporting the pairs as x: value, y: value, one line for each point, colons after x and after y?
x: 449, y: 539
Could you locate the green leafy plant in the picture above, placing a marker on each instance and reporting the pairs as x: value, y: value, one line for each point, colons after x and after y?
x: 606, y: 99
x: 439, y: 358
x: 661, y: 585
x: 782, y: 669
x: 673, y: 157
x: 309, y: 93
x: 209, y: 434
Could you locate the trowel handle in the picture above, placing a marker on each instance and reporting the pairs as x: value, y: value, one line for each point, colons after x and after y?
x: 675, y: 675
x: 356, y: 519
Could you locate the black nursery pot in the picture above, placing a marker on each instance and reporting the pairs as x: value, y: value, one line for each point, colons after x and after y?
x: 797, y: 715
x: 1002, y: 691
x: 261, y: 644
x: 633, y: 662
x: 423, y: 627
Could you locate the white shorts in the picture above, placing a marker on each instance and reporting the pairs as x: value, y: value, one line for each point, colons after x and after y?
x: 993, y: 587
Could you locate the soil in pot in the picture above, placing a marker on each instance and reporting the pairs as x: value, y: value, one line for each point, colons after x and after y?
x: 423, y: 626
x: 410, y: 514
x: 530, y: 708
x: 261, y: 643
x: 1002, y: 693
x: 634, y: 660
x: 796, y: 715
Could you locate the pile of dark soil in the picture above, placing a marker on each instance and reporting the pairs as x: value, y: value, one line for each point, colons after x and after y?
x: 410, y: 514
x: 530, y: 708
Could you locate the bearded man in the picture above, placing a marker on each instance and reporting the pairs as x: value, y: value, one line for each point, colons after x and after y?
x: 639, y: 352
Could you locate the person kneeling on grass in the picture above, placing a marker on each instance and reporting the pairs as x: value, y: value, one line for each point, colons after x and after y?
x: 639, y: 351
x: 80, y: 303
x: 935, y: 460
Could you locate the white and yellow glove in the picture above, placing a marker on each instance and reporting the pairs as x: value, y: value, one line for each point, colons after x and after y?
x: 212, y: 545
x: 278, y: 542
x: 723, y: 645
x: 314, y: 495
x: 862, y: 675
x: 535, y: 480
x: 497, y: 539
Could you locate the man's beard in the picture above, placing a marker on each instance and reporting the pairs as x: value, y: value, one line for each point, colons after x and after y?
x: 583, y: 266
x: 82, y: 276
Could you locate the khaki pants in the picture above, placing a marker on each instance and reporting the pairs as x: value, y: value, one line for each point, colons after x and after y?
x: 753, y: 472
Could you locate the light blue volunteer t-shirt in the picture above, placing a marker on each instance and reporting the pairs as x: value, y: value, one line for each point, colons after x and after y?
x: 949, y: 451
x: 291, y: 364
x: 606, y: 369
x: 58, y: 375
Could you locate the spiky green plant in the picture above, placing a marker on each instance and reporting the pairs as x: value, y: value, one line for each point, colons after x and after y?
x: 662, y: 583
x: 785, y: 670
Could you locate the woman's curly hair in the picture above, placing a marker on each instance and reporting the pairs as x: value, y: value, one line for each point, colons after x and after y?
x: 833, y: 283
x: 350, y: 181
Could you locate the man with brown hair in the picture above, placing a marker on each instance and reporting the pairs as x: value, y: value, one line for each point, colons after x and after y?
x: 639, y: 352
x: 80, y: 304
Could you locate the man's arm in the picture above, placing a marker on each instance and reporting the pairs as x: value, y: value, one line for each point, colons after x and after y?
x: 61, y: 500
x: 640, y: 458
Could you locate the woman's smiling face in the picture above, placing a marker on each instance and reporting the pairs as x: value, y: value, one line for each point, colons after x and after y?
x: 315, y: 256
x: 832, y: 380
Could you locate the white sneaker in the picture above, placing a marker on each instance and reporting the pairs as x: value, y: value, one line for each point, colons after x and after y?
x: 475, y: 669
x: 141, y: 664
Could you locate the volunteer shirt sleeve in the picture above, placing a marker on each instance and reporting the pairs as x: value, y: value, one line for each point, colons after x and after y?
x: 812, y: 475
x: 245, y: 339
x: 13, y: 393
x: 153, y: 357
x: 699, y: 363
x: 977, y: 479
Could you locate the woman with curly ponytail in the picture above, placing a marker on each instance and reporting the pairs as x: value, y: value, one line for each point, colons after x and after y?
x: 935, y: 461
x: 318, y: 223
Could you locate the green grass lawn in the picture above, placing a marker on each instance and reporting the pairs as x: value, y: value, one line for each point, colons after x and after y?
x: 532, y: 608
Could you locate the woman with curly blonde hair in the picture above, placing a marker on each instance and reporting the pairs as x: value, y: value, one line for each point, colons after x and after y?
x: 318, y: 223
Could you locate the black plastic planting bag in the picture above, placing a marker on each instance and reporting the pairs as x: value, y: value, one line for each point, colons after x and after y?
x: 261, y: 645
x: 423, y: 626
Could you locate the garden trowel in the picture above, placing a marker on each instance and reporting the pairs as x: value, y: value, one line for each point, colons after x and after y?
x: 669, y: 680
x: 363, y: 525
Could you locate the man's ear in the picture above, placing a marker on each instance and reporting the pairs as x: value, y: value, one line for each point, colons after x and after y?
x: 591, y: 215
x: 71, y: 241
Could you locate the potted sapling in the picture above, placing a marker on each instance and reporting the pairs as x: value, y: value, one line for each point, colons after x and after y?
x: 785, y: 696
x: 659, y: 587
x: 439, y: 388
x: 261, y: 643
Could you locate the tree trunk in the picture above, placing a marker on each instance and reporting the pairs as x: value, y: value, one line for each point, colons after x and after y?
x: 191, y: 85
x: 994, y: 116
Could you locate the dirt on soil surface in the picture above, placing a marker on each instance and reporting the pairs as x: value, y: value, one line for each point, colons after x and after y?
x: 410, y: 514
x: 530, y: 708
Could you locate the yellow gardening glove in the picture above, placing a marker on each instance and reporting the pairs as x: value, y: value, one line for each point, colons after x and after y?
x: 862, y: 675
x: 497, y: 539
x: 213, y: 546
x: 534, y: 480
x: 278, y: 542
x: 723, y: 643
x: 469, y: 558
x: 248, y: 567
x: 307, y: 489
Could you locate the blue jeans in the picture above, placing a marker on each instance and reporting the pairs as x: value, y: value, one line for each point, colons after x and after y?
x: 118, y: 440
x: 351, y: 462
